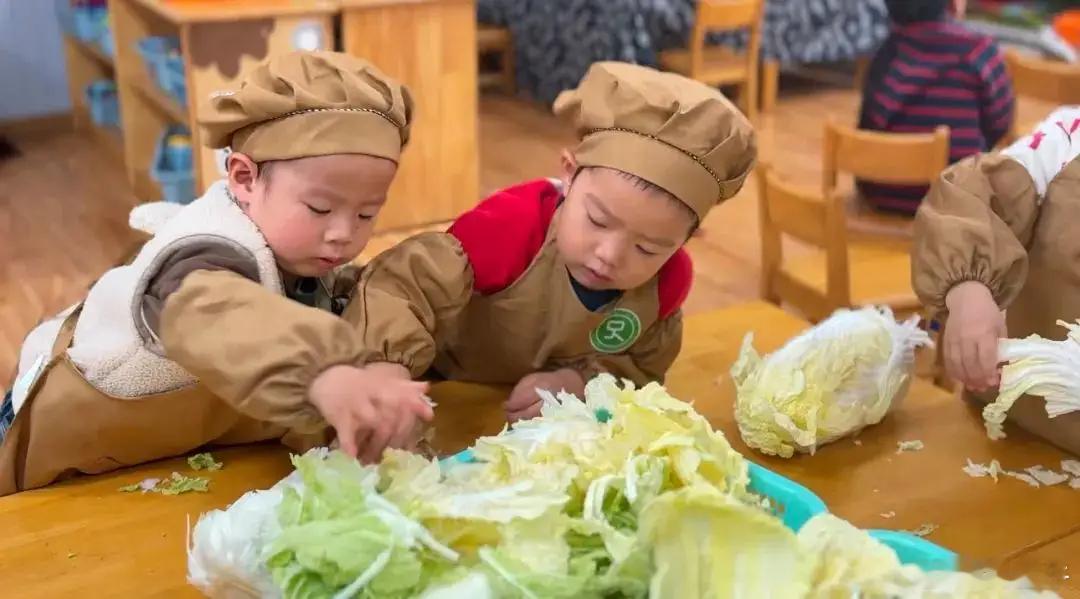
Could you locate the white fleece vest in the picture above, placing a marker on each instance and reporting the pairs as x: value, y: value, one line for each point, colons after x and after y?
x: 108, y: 348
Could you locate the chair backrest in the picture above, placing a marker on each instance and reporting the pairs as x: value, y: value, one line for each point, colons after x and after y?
x: 1046, y: 80
x: 814, y: 219
x: 726, y: 15
x: 896, y: 158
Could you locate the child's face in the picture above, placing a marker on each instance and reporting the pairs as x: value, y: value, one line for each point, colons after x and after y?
x: 614, y: 235
x: 316, y: 213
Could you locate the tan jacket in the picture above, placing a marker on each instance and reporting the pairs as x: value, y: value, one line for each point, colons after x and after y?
x: 1011, y: 221
x: 245, y: 355
x: 417, y: 305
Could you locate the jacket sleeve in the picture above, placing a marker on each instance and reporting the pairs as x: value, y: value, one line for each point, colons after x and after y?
x: 647, y: 360
x: 404, y: 295
x: 256, y: 350
x: 176, y: 267
x: 979, y: 218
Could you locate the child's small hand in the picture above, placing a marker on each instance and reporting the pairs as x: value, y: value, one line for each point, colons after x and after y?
x: 370, y: 409
x: 524, y: 403
x: 972, y: 332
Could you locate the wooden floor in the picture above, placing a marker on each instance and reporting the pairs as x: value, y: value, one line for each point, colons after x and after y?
x: 64, y: 204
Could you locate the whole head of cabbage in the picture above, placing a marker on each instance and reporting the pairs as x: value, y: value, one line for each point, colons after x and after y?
x: 831, y: 381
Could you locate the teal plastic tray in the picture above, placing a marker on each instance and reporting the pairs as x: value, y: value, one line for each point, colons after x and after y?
x: 796, y: 505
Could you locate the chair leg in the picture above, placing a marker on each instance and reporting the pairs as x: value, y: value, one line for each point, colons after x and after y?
x: 862, y: 67
x: 770, y: 85
x: 509, y: 77
x: 750, y: 90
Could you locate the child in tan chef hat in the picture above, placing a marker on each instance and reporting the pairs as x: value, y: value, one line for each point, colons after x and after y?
x: 223, y: 329
x: 547, y: 283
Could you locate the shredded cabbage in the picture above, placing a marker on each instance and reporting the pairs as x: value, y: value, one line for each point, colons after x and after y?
x: 627, y: 494
x: 829, y: 382
x: 848, y: 562
x: 1037, y: 366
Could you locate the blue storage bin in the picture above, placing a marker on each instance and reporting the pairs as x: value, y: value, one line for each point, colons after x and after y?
x: 86, y: 22
x: 172, y: 168
x: 173, y: 80
x: 176, y: 157
x: 103, y: 103
x: 155, y: 51
x: 106, y: 42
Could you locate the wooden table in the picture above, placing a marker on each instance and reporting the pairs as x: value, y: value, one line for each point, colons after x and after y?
x: 84, y: 534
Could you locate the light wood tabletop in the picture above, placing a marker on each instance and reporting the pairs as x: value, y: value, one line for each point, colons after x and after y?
x: 84, y: 535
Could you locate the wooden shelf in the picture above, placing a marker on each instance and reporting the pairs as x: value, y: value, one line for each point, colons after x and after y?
x: 160, y: 100
x: 92, y: 51
x: 205, y: 25
x: 203, y: 11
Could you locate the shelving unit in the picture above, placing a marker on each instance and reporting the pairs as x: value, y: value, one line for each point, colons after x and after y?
x: 229, y: 38
x: 87, y: 63
x: 430, y: 45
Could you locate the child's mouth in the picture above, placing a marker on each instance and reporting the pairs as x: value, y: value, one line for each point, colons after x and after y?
x: 595, y: 277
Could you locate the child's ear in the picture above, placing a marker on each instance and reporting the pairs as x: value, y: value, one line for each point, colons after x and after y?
x: 243, y: 173
x: 569, y: 167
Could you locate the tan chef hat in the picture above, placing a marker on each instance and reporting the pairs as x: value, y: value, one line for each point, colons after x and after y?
x: 311, y: 104
x: 672, y: 131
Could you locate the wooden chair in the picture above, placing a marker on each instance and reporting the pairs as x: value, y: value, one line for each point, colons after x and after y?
x: 838, y: 273
x: 497, y: 40
x: 720, y: 65
x: 1051, y: 81
x: 896, y: 158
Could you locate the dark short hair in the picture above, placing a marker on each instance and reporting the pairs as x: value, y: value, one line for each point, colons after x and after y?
x: 904, y: 12
x: 649, y: 186
x: 265, y: 168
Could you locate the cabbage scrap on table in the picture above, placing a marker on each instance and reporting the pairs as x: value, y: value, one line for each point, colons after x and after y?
x: 629, y: 493
x: 831, y: 381
x: 1037, y: 366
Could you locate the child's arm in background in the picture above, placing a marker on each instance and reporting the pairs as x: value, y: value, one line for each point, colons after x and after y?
x: 648, y: 360
x: 997, y: 101
x: 281, y: 362
x: 971, y: 233
x: 403, y: 294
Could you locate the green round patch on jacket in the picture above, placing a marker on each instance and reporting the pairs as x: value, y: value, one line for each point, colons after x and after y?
x: 617, y: 332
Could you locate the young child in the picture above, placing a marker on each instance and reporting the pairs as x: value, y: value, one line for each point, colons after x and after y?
x: 933, y: 71
x: 999, y: 232
x: 548, y: 283
x: 222, y: 329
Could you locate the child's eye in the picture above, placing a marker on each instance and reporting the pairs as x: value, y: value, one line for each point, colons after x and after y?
x: 315, y: 210
x: 595, y: 222
x: 365, y: 216
x: 645, y: 251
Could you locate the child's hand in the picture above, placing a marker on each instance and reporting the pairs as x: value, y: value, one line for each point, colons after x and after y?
x: 370, y: 409
x: 971, y: 336
x: 524, y: 403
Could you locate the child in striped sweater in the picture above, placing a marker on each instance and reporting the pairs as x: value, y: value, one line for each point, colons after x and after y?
x: 933, y: 71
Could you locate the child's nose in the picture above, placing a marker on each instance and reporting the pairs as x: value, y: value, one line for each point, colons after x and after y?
x: 609, y: 252
x: 338, y: 232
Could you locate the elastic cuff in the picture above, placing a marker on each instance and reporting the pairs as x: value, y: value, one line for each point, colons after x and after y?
x: 942, y: 307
